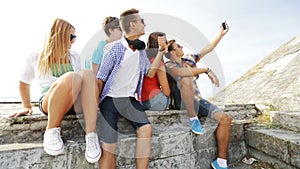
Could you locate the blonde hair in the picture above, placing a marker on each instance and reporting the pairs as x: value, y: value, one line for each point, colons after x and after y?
x: 57, y: 48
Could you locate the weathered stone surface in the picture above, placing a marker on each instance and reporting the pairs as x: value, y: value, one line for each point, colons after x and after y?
x: 281, y: 144
x: 274, y: 81
x: 269, y: 159
x: 173, y: 144
x: 287, y: 120
x: 32, y: 156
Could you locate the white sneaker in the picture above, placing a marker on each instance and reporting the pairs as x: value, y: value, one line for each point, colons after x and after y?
x: 92, y: 149
x: 53, y: 143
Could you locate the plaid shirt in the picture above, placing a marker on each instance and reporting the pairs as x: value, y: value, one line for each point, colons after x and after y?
x: 110, y: 65
x: 187, y: 61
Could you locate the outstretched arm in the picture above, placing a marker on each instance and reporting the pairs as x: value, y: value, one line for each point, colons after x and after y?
x: 24, y: 90
x: 210, y: 46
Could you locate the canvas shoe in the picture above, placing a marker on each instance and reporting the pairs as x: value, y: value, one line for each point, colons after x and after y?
x: 53, y: 143
x: 215, y: 165
x: 92, y: 149
x: 196, y: 126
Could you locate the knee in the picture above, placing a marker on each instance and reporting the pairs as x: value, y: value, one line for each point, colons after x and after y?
x: 226, y: 119
x: 87, y: 74
x: 71, y: 80
x: 108, y: 149
x: 145, y: 131
x: 185, y: 82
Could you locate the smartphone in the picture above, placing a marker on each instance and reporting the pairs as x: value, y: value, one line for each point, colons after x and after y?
x: 161, y: 34
x: 224, y: 25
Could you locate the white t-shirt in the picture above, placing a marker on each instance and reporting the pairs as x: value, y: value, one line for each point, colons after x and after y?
x: 127, y: 77
x: 29, y: 72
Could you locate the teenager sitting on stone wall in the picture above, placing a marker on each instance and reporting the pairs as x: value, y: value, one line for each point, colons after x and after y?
x: 183, y: 68
x: 65, y: 89
x: 156, y: 90
x: 120, y: 78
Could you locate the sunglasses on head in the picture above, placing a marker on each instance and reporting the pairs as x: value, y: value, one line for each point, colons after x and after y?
x: 72, y: 37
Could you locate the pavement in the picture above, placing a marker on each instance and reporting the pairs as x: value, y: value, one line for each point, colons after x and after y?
x: 6, y: 109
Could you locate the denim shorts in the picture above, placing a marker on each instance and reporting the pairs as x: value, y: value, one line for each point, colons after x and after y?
x: 71, y: 111
x: 205, y: 108
x: 158, y: 103
x: 111, y: 108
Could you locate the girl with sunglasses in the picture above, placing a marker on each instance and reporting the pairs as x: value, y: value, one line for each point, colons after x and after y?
x: 65, y: 89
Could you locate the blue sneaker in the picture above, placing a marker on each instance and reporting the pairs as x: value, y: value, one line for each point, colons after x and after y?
x: 215, y: 165
x: 196, y: 126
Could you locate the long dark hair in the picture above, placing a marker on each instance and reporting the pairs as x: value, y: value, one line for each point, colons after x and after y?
x: 152, y: 44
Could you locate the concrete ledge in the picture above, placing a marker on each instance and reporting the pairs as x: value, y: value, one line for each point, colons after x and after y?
x: 170, y: 149
x: 28, y: 156
x: 173, y: 144
x: 277, y: 143
x: 287, y: 120
x: 269, y: 159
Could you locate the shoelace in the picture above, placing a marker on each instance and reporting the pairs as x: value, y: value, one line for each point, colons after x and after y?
x: 195, y: 123
x: 92, y: 143
x: 54, y: 137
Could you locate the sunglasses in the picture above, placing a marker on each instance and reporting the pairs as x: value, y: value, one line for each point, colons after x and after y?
x: 142, y: 21
x: 72, y: 37
x: 177, y: 46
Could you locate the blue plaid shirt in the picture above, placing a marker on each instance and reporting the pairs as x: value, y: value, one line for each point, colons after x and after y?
x: 110, y: 65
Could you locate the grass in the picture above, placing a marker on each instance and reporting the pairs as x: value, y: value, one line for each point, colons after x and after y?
x: 265, y: 120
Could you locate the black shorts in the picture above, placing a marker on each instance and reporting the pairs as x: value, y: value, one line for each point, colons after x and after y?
x: 111, y: 108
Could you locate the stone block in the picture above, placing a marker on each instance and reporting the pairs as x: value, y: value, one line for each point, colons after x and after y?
x: 167, y: 144
x: 274, y: 142
x: 294, y: 148
x: 204, y: 157
x: 263, y: 157
x: 32, y: 156
x: 287, y: 120
x: 236, y: 151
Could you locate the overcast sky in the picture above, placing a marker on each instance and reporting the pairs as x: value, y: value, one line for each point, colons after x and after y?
x: 257, y: 28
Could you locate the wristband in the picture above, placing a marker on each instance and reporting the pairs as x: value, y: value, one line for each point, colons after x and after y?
x: 161, y: 50
x: 208, y: 70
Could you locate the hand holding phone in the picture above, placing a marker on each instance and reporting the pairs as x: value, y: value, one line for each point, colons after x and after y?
x: 224, y: 26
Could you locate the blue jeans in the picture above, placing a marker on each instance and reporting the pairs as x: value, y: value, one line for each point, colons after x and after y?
x: 158, y: 103
x: 71, y: 111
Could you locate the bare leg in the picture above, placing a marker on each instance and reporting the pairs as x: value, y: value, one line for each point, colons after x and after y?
x: 60, y: 98
x: 89, y: 94
x: 223, y: 133
x: 187, y: 95
x: 107, y: 160
x: 143, y: 146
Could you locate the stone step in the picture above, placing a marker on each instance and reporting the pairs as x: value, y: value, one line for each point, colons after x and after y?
x: 287, y: 120
x: 178, y: 148
x: 18, y: 130
x: 279, y: 146
x: 31, y: 128
x: 173, y: 144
